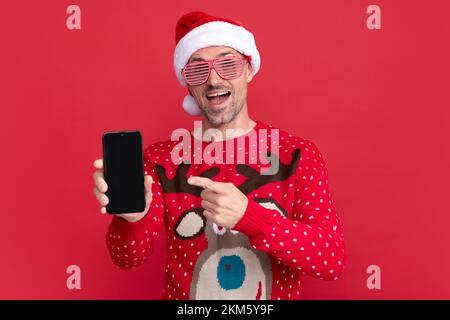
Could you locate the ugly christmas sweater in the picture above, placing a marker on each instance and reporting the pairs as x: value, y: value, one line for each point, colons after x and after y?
x: 290, y: 227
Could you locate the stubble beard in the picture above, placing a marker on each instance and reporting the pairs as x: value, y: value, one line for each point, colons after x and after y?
x: 216, y: 118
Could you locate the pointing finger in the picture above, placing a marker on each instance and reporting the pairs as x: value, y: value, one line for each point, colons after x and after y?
x: 219, y: 187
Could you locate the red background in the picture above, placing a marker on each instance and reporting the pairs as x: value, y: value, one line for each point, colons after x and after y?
x: 374, y: 101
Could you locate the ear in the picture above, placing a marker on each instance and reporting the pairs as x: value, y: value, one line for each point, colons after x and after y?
x: 249, y: 71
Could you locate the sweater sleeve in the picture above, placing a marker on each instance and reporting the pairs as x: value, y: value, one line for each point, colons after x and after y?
x: 311, y: 240
x: 130, y: 243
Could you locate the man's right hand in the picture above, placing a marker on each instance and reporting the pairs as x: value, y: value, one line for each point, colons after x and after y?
x: 101, y: 187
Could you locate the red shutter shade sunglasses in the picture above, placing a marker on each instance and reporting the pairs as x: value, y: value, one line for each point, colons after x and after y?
x: 228, y: 68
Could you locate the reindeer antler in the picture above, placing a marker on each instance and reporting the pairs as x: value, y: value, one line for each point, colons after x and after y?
x: 256, y: 179
x: 179, y: 182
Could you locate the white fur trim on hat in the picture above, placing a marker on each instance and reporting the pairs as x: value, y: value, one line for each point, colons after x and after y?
x: 216, y: 33
x: 191, y: 106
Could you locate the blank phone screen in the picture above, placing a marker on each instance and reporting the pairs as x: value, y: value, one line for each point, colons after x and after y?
x: 123, y: 171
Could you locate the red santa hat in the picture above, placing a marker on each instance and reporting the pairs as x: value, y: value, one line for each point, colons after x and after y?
x: 196, y: 30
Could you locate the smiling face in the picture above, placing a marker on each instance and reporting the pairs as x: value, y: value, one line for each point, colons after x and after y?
x: 221, y: 100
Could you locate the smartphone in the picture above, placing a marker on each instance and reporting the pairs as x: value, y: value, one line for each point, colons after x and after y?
x: 123, y: 169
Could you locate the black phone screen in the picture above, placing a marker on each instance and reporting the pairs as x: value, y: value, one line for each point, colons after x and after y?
x: 124, y: 171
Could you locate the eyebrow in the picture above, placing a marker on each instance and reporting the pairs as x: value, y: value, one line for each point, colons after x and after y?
x: 218, y: 56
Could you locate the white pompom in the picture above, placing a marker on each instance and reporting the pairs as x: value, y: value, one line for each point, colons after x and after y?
x: 191, y: 106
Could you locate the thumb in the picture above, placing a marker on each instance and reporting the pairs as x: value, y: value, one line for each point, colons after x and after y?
x: 148, y: 181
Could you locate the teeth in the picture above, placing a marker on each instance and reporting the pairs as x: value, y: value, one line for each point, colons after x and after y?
x: 216, y: 94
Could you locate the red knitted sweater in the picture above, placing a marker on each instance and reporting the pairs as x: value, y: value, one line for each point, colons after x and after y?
x: 290, y: 227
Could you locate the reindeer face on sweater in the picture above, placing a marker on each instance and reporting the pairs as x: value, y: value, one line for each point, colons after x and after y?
x: 229, y: 268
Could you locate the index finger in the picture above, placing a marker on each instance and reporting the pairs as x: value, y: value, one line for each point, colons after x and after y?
x: 206, y: 183
x: 98, y: 164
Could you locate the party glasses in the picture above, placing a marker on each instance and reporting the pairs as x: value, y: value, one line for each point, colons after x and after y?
x: 228, y: 68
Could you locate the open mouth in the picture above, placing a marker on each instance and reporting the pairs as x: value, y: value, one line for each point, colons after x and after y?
x: 217, y: 99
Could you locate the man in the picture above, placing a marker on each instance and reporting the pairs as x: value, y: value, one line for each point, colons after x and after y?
x: 233, y: 232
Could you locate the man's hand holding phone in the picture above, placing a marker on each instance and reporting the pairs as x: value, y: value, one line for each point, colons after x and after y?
x: 101, y: 187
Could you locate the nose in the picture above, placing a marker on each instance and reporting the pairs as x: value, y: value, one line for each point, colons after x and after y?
x: 231, y: 272
x: 214, y: 79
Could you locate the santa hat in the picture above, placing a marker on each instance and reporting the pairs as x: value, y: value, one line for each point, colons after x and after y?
x: 196, y: 30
